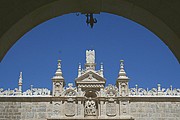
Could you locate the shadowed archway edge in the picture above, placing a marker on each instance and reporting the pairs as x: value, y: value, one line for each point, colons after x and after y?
x: 132, y: 10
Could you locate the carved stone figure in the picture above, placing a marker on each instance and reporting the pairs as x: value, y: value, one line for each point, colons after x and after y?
x: 90, y: 56
x: 90, y: 108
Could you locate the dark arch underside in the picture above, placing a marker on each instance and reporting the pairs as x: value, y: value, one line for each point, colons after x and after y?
x: 160, y: 17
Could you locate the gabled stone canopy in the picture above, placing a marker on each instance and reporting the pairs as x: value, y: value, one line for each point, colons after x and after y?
x: 90, y: 77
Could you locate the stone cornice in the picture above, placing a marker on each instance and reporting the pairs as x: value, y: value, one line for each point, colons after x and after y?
x: 50, y: 99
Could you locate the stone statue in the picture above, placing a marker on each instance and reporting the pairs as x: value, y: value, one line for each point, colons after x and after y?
x: 90, y: 56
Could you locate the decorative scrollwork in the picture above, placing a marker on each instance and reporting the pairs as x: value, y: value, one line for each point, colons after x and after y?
x: 70, y: 91
x: 111, y: 91
x: 37, y: 92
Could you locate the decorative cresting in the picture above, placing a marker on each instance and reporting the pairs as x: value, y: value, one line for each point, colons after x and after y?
x: 17, y: 92
x: 70, y: 91
x: 111, y: 91
x: 37, y: 92
x: 154, y: 92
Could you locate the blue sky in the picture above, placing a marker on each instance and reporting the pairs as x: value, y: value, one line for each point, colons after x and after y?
x: 148, y: 61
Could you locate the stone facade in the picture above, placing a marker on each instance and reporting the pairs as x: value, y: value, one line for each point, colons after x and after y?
x: 90, y: 98
x: 53, y: 108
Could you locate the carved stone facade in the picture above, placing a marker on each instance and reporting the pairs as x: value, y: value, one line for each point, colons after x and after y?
x: 90, y: 98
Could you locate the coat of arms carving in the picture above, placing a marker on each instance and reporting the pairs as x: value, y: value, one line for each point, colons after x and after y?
x: 70, y: 109
x: 90, y: 108
x: 111, y: 109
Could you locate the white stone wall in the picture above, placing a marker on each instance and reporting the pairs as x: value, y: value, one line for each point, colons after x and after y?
x: 25, y: 110
x: 54, y: 109
x: 155, y: 110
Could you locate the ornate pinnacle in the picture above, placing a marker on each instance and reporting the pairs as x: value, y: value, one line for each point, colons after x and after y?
x: 122, y: 64
x: 101, y: 70
x: 58, y: 71
x: 59, y: 64
x: 122, y: 73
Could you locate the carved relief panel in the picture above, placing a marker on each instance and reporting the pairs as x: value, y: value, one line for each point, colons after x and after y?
x: 70, y: 108
x: 111, y: 109
x: 124, y: 107
x: 56, y: 109
x: 90, y: 108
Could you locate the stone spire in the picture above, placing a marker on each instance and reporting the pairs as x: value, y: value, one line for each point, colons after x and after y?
x: 122, y: 81
x: 20, y: 82
x: 122, y: 73
x: 58, y: 74
x: 58, y: 81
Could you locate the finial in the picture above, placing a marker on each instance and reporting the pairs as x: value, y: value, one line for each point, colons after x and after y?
x: 79, y: 70
x: 136, y: 86
x: 122, y: 73
x: 58, y: 71
x: 20, y: 82
x: 20, y: 77
x: 159, y: 87
x: 101, y: 66
x: 122, y: 64
x: 79, y: 66
x: 101, y: 70
x: 59, y: 64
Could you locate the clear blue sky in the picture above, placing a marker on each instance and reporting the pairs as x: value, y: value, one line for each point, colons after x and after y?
x: 148, y: 61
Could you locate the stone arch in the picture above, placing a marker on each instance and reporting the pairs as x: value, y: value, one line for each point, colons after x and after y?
x: 91, y: 93
x: 142, y: 13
